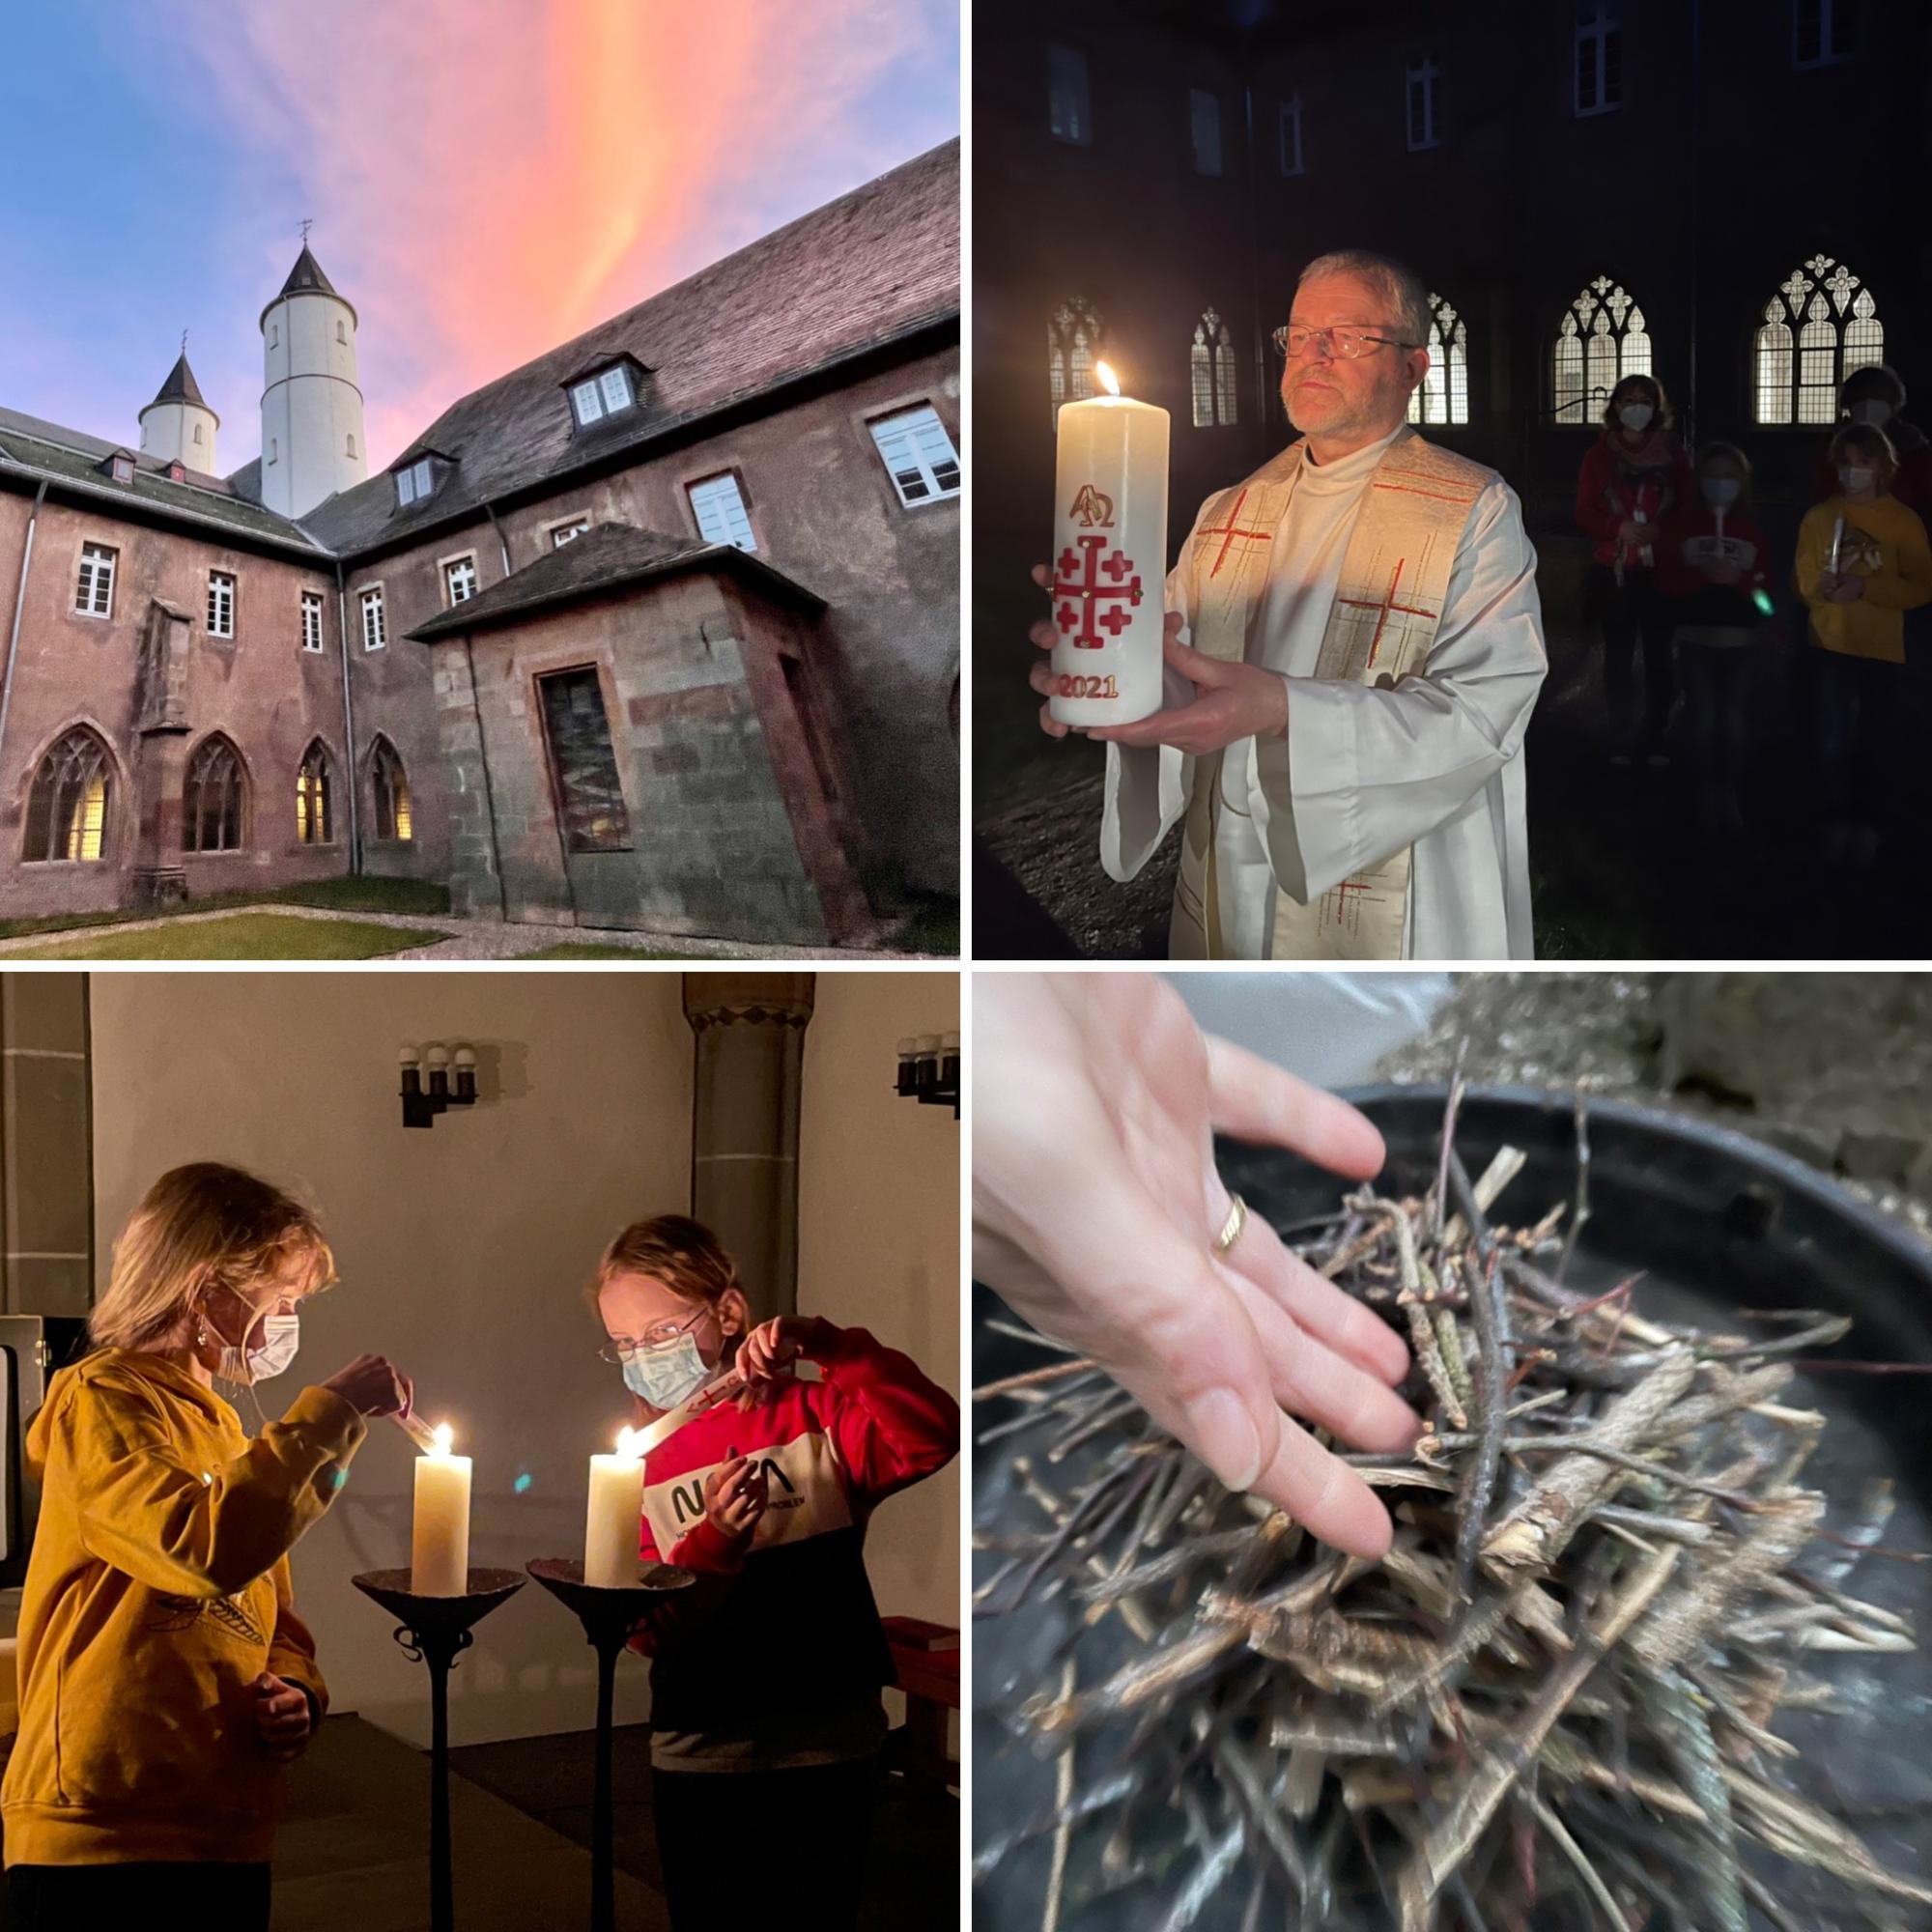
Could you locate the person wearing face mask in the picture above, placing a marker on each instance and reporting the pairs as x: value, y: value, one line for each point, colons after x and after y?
x: 1862, y: 563
x: 1634, y: 478
x: 765, y: 1692
x: 1874, y: 397
x: 164, y: 1674
x: 1711, y: 570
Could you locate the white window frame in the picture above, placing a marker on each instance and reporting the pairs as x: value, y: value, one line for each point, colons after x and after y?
x: 93, y: 556
x: 1427, y: 74
x: 1068, y: 86
x: 223, y: 586
x: 912, y: 419
x: 1594, y: 33
x: 370, y: 599
x: 566, y: 529
x: 622, y: 377
x: 449, y: 566
x: 414, y: 483
x: 1291, y: 123
x: 1829, y: 53
x: 312, y: 603
x: 587, y: 400
x: 709, y: 483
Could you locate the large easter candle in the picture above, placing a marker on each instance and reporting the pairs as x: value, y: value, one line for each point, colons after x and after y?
x: 439, y: 1539
x: 612, y: 1529
x: 1109, y: 559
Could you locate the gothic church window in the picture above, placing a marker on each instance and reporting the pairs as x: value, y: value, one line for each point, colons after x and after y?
x: 1074, y: 338
x: 1203, y: 129
x: 1600, y: 58
x: 721, y: 513
x: 220, y: 604
x: 1069, y: 114
x: 1823, y: 32
x: 392, y: 787
x: 1600, y: 340
x: 315, y: 823
x: 311, y: 616
x: 212, y: 800
x: 917, y: 454
x: 374, y: 622
x: 67, y: 809
x: 1820, y: 326
x: 93, y: 591
x: 1422, y: 90
x: 590, y: 798
x: 1442, y: 397
x: 1211, y: 372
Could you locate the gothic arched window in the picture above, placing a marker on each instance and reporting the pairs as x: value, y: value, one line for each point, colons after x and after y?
x: 1602, y: 339
x: 1074, y: 339
x: 1212, y: 366
x: 213, y: 799
x: 1820, y: 326
x: 315, y: 822
x: 1442, y: 396
x: 67, y: 809
x: 391, y: 786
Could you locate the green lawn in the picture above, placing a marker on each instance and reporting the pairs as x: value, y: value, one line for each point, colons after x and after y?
x: 248, y: 935
x: 418, y: 898
x: 584, y: 949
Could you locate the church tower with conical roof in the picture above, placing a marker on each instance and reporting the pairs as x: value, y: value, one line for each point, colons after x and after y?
x: 312, y: 437
x: 178, y: 426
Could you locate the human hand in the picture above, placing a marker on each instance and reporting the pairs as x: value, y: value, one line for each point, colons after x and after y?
x: 1044, y: 635
x: 1232, y: 701
x: 735, y: 1496
x: 374, y: 1386
x: 1848, y: 588
x: 1634, y: 533
x: 282, y: 1718
x: 771, y: 1347
x: 1096, y: 1204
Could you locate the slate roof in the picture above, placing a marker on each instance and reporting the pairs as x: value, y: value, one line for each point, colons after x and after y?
x: 307, y: 278
x: 182, y: 387
x: 606, y: 557
x: 876, y: 264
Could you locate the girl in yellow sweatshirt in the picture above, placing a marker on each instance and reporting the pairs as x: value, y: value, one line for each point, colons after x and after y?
x: 164, y: 1674
x: 1863, y: 563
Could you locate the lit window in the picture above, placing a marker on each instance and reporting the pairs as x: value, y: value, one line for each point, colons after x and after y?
x: 212, y: 800
x: 374, y: 625
x: 93, y: 593
x: 1600, y: 58
x: 719, y: 511
x: 1600, y: 340
x: 67, y: 809
x: 591, y: 796
x: 1442, y: 397
x: 1825, y: 313
x: 311, y: 607
x: 459, y: 579
x: 314, y: 821
x: 1211, y: 369
x: 917, y: 454
x: 392, y: 787
x: 1069, y: 113
x: 413, y: 483
x: 1824, y: 32
x: 602, y: 395
x: 1422, y: 84
x: 1203, y: 128
x: 1291, y: 135
x: 220, y: 604
x: 568, y: 533
x: 1074, y: 339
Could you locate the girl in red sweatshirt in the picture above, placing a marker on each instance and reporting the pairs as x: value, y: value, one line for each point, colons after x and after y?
x: 1633, y: 481
x: 765, y: 1686
x: 1711, y: 571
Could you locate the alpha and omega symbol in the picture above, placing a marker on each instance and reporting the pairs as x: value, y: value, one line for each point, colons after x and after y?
x: 1087, y: 605
x: 1092, y: 508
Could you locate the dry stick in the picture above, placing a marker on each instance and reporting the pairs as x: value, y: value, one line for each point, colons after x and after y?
x: 1479, y: 1487
x: 1440, y: 1198
x: 1593, y: 1882
x: 1581, y: 1212
x: 1062, y: 1835
x: 1031, y: 1377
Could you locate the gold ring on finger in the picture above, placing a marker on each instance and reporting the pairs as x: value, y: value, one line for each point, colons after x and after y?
x: 1230, y: 1228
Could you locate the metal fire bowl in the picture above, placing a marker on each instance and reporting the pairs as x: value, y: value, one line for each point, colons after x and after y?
x: 442, y: 1616
x: 1715, y: 1221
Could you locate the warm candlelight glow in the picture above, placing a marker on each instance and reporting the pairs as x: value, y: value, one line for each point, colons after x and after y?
x: 630, y: 1442
x: 445, y: 1436
x: 1107, y: 378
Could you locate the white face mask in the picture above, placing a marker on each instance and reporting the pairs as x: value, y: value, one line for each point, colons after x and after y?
x: 1720, y: 492
x: 1636, y: 415
x: 1854, y: 482
x: 666, y: 1375
x: 1872, y: 412
x: 280, y: 1338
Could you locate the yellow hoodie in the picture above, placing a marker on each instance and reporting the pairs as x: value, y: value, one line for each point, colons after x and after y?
x: 156, y: 1593
x: 1885, y: 544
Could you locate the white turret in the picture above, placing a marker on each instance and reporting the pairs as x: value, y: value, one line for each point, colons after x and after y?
x: 178, y: 426
x: 312, y: 440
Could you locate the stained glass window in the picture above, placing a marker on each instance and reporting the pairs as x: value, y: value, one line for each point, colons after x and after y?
x: 213, y: 799
x: 391, y: 786
x: 315, y: 817
x: 1823, y: 311
x: 1074, y: 337
x: 1442, y: 397
x: 590, y: 796
x: 1211, y: 372
x: 67, y: 809
x: 1600, y: 340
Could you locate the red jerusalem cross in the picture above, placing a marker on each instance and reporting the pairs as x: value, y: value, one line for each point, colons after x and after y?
x: 1340, y: 894
x: 1230, y: 531
x: 1387, y: 604
x: 1081, y: 611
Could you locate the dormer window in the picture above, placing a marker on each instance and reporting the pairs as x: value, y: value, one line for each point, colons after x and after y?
x: 176, y: 472
x: 415, y: 482
x: 603, y: 393
x: 123, y: 469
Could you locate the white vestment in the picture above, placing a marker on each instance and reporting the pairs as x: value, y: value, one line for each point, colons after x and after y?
x: 1435, y: 763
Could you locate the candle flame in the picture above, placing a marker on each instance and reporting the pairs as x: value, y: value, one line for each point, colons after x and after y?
x: 1108, y: 381
x: 445, y: 1436
x: 628, y: 1442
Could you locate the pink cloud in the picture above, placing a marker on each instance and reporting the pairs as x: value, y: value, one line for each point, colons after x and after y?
x: 491, y: 177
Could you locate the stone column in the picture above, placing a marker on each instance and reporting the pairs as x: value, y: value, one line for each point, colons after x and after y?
x: 743, y: 1139
x: 46, y: 1166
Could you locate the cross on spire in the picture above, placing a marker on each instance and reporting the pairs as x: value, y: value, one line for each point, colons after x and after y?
x: 309, y: 223
x: 183, y: 342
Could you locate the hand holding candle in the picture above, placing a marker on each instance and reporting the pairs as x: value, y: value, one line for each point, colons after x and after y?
x: 439, y: 1543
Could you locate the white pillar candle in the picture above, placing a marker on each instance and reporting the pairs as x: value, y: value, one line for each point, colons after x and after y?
x: 1109, y: 559
x: 612, y: 1525
x: 440, y: 1539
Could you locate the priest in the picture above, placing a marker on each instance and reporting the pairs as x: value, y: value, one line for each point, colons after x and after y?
x: 1353, y: 648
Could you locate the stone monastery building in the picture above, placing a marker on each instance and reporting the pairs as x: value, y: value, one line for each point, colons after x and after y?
x: 660, y: 630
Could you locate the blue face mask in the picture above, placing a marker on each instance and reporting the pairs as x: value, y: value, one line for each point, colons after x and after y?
x: 666, y: 1375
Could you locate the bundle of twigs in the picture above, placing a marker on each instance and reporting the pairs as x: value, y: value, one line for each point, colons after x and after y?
x: 1550, y: 1704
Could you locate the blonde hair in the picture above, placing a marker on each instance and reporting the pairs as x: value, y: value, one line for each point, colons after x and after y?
x: 683, y: 1254
x: 200, y: 1227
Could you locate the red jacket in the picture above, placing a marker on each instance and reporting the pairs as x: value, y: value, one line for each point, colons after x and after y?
x: 787, y: 1621
x: 1691, y: 539
x: 1610, y: 490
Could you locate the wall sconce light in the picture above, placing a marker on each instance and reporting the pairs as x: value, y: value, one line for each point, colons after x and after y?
x: 929, y: 1070
x: 435, y: 1080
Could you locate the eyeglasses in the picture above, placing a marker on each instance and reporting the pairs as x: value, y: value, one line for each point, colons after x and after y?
x: 621, y: 1347
x: 1346, y: 345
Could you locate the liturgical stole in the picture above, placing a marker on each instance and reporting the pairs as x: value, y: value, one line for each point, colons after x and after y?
x: 1388, y: 603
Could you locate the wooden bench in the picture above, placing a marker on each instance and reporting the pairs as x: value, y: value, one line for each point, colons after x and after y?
x: 926, y: 1666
